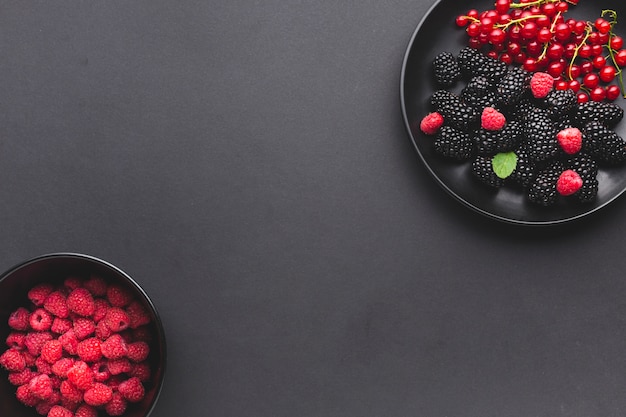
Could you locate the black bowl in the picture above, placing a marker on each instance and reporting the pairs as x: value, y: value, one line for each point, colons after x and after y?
x: 54, y: 268
x: 437, y: 32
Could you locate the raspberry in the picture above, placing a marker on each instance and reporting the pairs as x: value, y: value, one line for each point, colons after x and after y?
x: 60, y: 326
x: 83, y: 328
x: 102, y: 330
x: 100, y: 371
x: 72, y: 282
x: 59, y: 411
x: 119, y: 366
x: 132, y: 390
x: 141, y: 371
x: 569, y: 183
x: 69, y: 342
x: 431, y: 123
x: 89, y: 350
x: 86, y: 411
x: 80, y: 375
x: 117, y: 405
x: 44, y: 407
x: 142, y: 334
x: 22, y: 377
x: 69, y: 404
x: 541, y: 84
x: 117, y: 319
x: 98, y: 395
x: 492, y: 119
x: 38, y: 294
x: 56, y: 303
x: 114, y: 347
x: 26, y: 397
x: 70, y: 392
x: 61, y: 367
x: 97, y: 286
x: 41, y: 386
x: 80, y: 301
x: 15, y: 340
x: 43, y: 366
x: 571, y: 140
x: 40, y: 320
x: 101, y: 308
x: 137, y: 314
x: 12, y: 360
x: 20, y: 319
x: 52, y: 351
x: 35, y: 341
x: 138, y: 351
x: 119, y: 296
x: 28, y: 358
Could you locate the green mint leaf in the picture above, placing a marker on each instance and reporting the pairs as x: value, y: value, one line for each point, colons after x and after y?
x: 504, y: 164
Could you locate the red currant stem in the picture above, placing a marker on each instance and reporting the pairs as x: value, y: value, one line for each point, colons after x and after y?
x: 547, y: 44
x: 505, y: 26
x: 588, y: 31
x: 532, y: 3
x: 472, y: 19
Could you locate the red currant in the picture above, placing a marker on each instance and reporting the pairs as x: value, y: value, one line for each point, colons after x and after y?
x: 506, y: 58
x: 473, y: 30
x: 562, y: 32
x: 620, y: 57
x: 462, y: 21
x: 544, y: 35
x: 586, y: 67
x: 574, y: 85
x: 607, y: 73
x: 530, y: 64
x: 562, y: 7
x: 561, y: 85
x: 616, y: 42
x: 613, y: 92
x: 503, y: 6
x: 602, y: 25
x: 497, y: 36
x: 584, y: 51
x: 574, y: 71
x: 598, y: 94
x: 599, y: 62
x: 529, y: 30
x: 580, y: 27
x: 534, y: 48
x: 596, y: 50
x: 582, y: 97
x: 591, y: 80
x: 473, y: 13
x: 603, y: 38
x: 555, y: 51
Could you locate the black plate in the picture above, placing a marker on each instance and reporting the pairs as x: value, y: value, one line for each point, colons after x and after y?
x: 437, y: 32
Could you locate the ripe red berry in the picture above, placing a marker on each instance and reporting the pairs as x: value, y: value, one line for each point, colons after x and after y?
x: 56, y: 304
x: 562, y: 32
x: 602, y: 25
x: 598, y: 94
x: 60, y: 367
x: 591, y: 80
x: 40, y: 320
x: 20, y: 319
x: 89, y: 350
x: 114, y: 347
x: 52, y: 351
x: 598, y: 62
x: 85, y: 410
x: 99, y: 394
x: 38, y: 294
x: 80, y: 375
x: 582, y: 97
x: 616, y: 42
x: 119, y: 296
x: 529, y: 30
x: 497, y: 36
x: 80, y: 301
x: 41, y: 386
x: 612, y: 92
x: 569, y: 183
x: 132, y: 390
x: 607, y: 73
x: 117, y: 405
x: 59, y: 411
x: 620, y: 57
x: 12, y: 360
x: 462, y: 21
x: 117, y: 319
x: 502, y: 6
x: 555, y: 51
x: 570, y: 140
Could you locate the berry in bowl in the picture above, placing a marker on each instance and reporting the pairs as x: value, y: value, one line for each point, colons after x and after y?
x: 80, y: 338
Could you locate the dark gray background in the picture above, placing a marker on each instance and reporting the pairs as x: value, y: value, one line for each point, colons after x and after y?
x: 247, y: 163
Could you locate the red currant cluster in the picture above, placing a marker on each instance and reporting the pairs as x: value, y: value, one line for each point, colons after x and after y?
x: 586, y: 57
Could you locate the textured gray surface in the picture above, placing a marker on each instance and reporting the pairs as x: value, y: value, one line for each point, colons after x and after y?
x: 246, y: 162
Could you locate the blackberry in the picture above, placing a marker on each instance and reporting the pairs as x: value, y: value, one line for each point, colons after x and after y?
x: 446, y: 69
x: 482, y: 169
x: 522, y: 109
x: 560, y: 102
x: 480, y: 102
x: 455, y: 113
x: 453, y: 143
x: 475, y: 63
x: 543, y: 191
x: 511, y: 87
x: 540, y: 135
x: 441, y: 96
x: 525, y: 169
x: 608, y: 114
x: 490, y: 142
x: 587, y: 168
x: 478, y: 87
x: 603, y: 144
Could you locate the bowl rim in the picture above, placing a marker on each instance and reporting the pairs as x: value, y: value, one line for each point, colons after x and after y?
x: 135, y: 284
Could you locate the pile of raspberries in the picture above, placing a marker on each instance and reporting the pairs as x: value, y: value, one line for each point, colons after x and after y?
x: 79, y: 348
